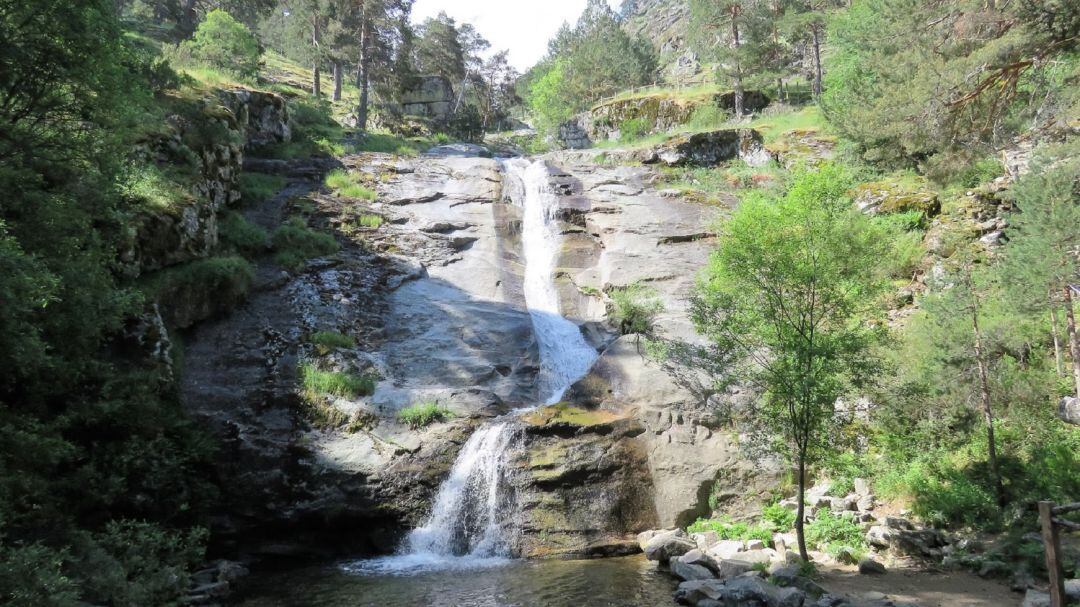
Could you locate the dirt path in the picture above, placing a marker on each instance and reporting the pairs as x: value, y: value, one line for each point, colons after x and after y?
x: 926, y: 588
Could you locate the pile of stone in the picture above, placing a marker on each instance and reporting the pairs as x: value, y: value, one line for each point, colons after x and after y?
x: 729, y: 572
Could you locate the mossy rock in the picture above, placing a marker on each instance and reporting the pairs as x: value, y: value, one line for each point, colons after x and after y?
x: 565, y: 414
x: 891, y: 197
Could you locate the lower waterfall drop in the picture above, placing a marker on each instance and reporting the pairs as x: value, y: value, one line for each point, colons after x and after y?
x: 471, y: 521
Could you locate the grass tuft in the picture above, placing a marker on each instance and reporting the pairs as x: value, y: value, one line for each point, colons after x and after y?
x: 326, y: 341
x: 336, y: 383
x: 424, y: 414
x: 294, y: 243
x: 348, y: 185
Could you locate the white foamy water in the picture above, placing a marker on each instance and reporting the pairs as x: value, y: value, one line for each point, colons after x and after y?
x: 565, y: 357
x: 471, y: 522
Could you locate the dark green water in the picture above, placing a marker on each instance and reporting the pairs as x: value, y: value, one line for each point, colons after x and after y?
x: 616, y: 582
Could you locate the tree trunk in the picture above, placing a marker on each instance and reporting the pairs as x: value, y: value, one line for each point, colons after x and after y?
x: 738, y: 66
x: 1059, y: 362
x: 316, y: 75
x: 1074, y: 345
x: 363, y: 78
x: 187, y: 18
x: 800, y: 511
x: 817, y: 61
x: 988, y: 413
x: 337, y: 80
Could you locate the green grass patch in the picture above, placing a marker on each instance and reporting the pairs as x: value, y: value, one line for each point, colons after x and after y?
x: 771, y: 127
x: 155, y: 187
x: 370, y: 221
x: 241, y: 236
x: 327, y: 341
x: 347, y: 184
x: 424, y: 414
x: 335, y: 383
x: 386, y: 143
x: 294, y: 243
x: 257, y: 187
x: 725, y: 529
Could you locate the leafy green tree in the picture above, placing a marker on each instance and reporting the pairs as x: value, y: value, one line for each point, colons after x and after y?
x: 942, y: 84
x: 375, y: 29
x: 716, y: 34
x: 439, y: 49
x: 224, y: 43
x: 1042, y: 258
x: 788, y: 300
x: 585, y: 62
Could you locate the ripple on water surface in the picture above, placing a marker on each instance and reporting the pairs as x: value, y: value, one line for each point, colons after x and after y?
x: 416, y: 580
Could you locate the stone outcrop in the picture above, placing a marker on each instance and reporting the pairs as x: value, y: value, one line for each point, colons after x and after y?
x: 428, y: 97
x: 583, y: 487
x: 710, y: 149
x: 648, y: 114
x: 620, y: 231
x: 206, y: 145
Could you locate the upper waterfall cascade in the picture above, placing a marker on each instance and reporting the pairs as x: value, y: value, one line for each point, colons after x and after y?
x: 471, y: 522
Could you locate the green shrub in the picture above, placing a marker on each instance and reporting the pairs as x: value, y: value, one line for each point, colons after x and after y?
x: 336, y: 383
x: 634, y: 308
x: 224, y: 43
x: 33, y: 575
x: 241, y: 236
x: 347, y: 184
x: 331, y: 340
x: 727, y: 530
x: 257, y: 187
x: 633, y: 129
x: 138, y: 563
x: 186, y: 291
x: 421, y: 415
x: 781, y: 518
x: 294, y: 243
x: 835, y: 533
x: 708, y: 116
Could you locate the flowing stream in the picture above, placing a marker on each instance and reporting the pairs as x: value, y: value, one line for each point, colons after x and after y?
x: 471, y: 523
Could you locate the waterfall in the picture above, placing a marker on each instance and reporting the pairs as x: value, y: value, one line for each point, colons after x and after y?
x: 565, y: 357
x: 470, y: 522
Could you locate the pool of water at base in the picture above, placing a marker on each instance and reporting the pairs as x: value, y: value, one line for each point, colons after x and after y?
x: 612, y: 582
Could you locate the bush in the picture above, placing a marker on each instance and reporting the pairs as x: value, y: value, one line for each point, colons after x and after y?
x: 294, y: 243
x: 347, y: 184
x: 370, y: 221
x: 150, y: 185
x: 241, y: 236
x: 634, y: 308
x: 224, y: 43
x: 422, y: 415
x: 835, y: 533
x: 138, y: 563
x: 336, y: 383
x: 727, y: 530
x: 781, y: 518
x: 707, y: 116
x: 633, y: 129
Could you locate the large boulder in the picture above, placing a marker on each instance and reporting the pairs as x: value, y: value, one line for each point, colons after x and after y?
x: 667, y: 545
x: 429, y: 96
x: 1069, y: 410
x: 710, y: 149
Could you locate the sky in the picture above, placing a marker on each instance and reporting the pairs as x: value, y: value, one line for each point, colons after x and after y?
x: 522, y: 26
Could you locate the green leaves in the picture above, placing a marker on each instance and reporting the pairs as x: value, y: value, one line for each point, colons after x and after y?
x: 224, y: 43
x: 792, y: 289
